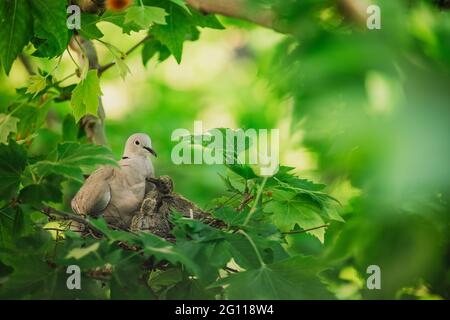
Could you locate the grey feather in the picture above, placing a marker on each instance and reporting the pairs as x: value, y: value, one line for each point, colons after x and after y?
x: 95, y: 195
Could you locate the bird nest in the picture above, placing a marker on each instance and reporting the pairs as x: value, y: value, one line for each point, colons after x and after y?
x: 153, y: 214
x: 158, y: 203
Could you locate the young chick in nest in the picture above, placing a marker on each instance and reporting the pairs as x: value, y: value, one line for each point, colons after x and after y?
x: 144, y: 221
x: 168, y: 201
x: 153, y: 216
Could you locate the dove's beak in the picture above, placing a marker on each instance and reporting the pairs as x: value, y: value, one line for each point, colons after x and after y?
x: 151, y: 151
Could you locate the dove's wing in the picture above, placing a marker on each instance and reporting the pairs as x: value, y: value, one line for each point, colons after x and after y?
x: 95, y: 195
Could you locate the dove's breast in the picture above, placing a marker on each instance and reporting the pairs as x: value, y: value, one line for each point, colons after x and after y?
x: 127, y: 190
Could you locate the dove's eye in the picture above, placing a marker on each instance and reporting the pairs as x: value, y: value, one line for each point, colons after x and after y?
x: 136, y: 142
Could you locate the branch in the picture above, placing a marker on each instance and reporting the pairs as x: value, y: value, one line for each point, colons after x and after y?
x: 238, y: 9
x: 354, y: 10
x: 245, y: 201
x: 105, y: 67
x: 52, y: 212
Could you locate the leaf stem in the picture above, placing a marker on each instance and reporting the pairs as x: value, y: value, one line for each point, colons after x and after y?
x: 65, y: 78
x: 258, y: 255
x: 73, y: 60
x: 305, y: 230
x: 105, y: 67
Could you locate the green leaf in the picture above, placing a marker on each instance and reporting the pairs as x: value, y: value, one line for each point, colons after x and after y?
x: 181, y: 26
x: 242, y: 251
x: 89, y: 29
x: 50, y: 28
x: 19, y: 222
x: 31, y: 118
x: 12, y: 163
x: 211, y: 255
x: 290, y: 209
x: 85, y: 97
x: 118, y: 18
x: 206, y: 20
x: 284, y: 174
x: 37, y: 84
x: 163, y: 249
x: 243, y: 170
x: 151, y: 245
x: 8, y: 124
x: 72, y: 157
x: 15, y: 32
x: 182, y: 4
x: 128, y: 282
x: 178, y: 29
x: 229, y: 186
x: 89, y: 23
x: 230, y: 216
x: 153, y: 47
x: 34, y: 278
x: 47, y: 190
x: 161, y: 279
x: 113, y: 17
x: 191, y: 289
x: 291, y: 279
x: 145, y: 16
x: 26, y: 280
x: 69, y: 128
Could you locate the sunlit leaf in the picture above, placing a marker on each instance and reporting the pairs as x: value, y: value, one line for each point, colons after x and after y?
x: 78, y: 253
x: 36, y: 85
x: 145, y: 16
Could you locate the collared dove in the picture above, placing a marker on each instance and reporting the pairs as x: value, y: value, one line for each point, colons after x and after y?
x: 116, y: 193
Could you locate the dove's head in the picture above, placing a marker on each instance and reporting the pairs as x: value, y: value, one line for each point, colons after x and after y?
x: 138, y: 144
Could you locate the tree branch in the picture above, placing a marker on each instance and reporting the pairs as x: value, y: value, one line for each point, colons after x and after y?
x: 354, y: 10
x: 238, y: 9
x: 52, y: 212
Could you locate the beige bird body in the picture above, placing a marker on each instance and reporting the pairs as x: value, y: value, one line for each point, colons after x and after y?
x: 117, y: 192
